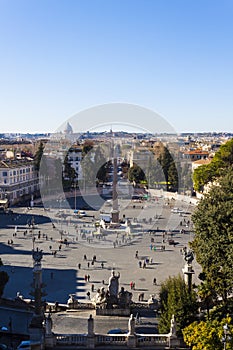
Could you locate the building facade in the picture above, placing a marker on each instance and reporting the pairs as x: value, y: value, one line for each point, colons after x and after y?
x: 18, y: 180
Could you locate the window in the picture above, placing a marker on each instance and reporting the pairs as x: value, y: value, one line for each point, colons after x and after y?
x: 4, y: 173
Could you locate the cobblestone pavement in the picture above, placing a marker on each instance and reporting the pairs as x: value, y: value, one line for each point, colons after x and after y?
x: 62, y: 273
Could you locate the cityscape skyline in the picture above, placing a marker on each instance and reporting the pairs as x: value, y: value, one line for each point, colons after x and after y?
x: 174, y: 58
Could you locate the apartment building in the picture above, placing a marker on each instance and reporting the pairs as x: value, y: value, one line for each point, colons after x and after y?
x: 18, y: 180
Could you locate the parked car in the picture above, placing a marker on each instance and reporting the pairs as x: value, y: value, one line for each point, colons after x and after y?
x: 80, y: 213
x: 117, y: 331
x: 24, y: 345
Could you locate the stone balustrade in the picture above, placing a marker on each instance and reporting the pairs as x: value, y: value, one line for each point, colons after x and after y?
x: 70, y: 339
x: 141, y: 340
x: 92, y: 340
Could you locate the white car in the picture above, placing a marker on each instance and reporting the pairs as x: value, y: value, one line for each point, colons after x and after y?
x: 177, y: 210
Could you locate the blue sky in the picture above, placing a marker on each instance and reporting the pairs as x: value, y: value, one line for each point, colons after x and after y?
x: 60, y: 57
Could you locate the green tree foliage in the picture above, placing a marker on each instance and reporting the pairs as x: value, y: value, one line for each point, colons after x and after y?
x: 206, y: 295
x: 208, y: 335
x: 168, y: 166
x: 208, y: 173
x: 68, y: 172
x: 213, y: 240
x: 136, y: 174
x: 4, y: 278
x: 38, y: 156
x: 176, y: 299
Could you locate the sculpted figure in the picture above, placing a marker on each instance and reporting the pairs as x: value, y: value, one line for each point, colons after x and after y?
x: 113, y: 285
x: 173, y: 326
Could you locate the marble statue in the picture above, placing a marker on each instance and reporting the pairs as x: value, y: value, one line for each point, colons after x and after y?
x: 113, y: 285
x: 173, y: 326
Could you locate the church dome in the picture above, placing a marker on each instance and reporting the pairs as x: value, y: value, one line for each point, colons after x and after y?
x: 68, y: 129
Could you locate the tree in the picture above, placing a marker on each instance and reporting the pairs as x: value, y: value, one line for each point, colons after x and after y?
x: 175, y: 299
x: 206, y: 295
x: 213, y: 239
x: 68, y: 173
x: 208, y: 335
x: 210, y: 172
x: 38, y: 156
x: 136, y: 174
x: 168, y: 166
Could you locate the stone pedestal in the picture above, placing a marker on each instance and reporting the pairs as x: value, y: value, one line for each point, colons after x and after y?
x: 37, y: 338
x: 90, y: 342
x: 131, y: 337
x: 115, y: 216
x: 188, y: 272
x: 173, y: 342
x: 90, y: 333
x: 50, y: 341
x: 131, y: 341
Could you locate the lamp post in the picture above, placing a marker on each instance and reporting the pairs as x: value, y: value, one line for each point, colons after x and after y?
x: 60, y: 217
x: 226, y: 336
x: 75, y: 194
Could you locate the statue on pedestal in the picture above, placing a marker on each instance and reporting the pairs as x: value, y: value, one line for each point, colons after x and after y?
x: 173, y: 326
x: 113, y: 285
x: 48, y: 324
x: 188, y: 256
x: 111, y: 299
x: 131, y: 325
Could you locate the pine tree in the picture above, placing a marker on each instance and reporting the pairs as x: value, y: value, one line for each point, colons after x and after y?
x: 38, y: 156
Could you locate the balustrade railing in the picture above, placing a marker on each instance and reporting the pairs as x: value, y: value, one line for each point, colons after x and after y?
x: 104, y: 339
x: 152, y: 339
x: 71, y: 339
x: 113, y: 339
